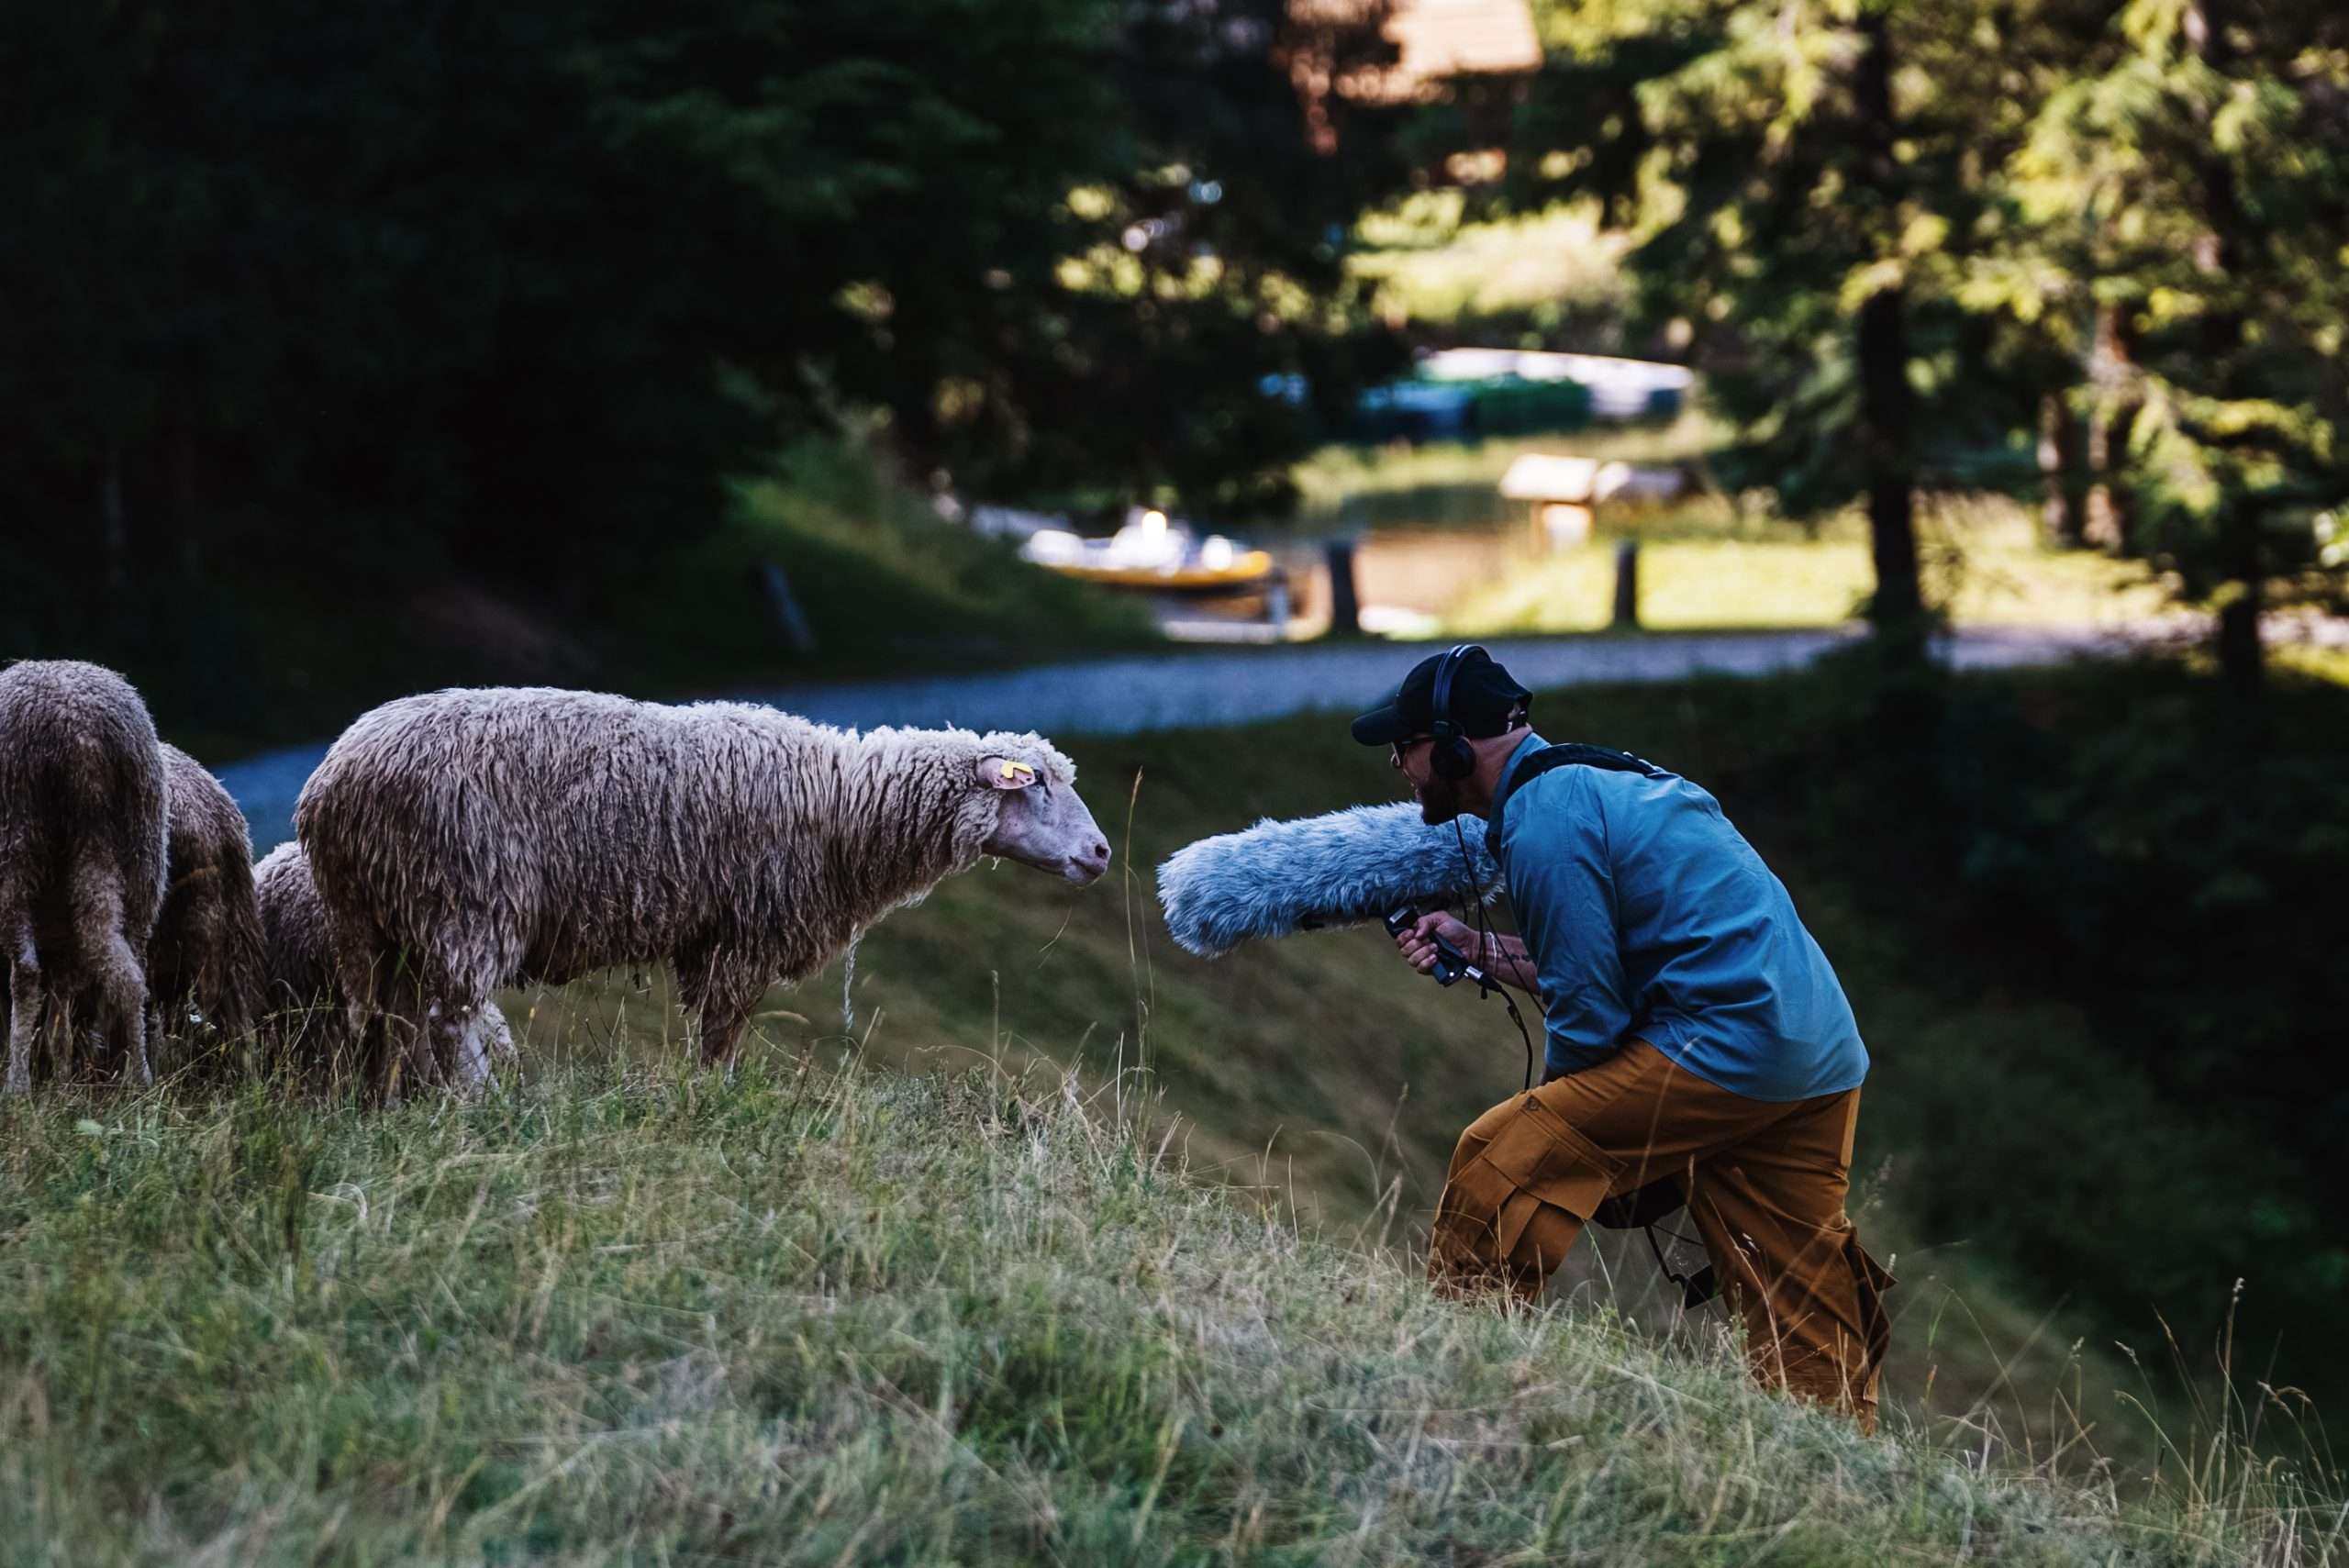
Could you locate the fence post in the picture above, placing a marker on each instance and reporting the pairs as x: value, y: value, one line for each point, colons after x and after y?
x: 1346, y: 607
x: 1626, y: 583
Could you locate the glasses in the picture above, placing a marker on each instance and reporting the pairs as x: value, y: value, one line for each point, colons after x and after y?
x: 1395, y: 753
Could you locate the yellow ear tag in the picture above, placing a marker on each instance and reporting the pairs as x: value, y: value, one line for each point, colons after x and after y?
x: 1017, y: 769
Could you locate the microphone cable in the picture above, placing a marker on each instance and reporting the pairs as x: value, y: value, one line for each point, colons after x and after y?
x: 1487, y: 985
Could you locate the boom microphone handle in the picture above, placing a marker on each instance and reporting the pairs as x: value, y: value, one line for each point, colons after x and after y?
x: 1450, y: 964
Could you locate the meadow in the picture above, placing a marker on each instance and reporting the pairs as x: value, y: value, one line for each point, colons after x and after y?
x: 1068, y: 1247
x: 621, y: 1312
x: 2069, y: 1232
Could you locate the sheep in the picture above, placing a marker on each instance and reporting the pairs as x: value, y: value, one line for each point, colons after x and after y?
x: 205, y: 959
x: 296, y: 959
x: 470, y: 839
x: 82, y: 831
x: 305, y: 1002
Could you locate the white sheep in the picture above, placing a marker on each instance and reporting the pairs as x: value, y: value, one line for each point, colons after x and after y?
x: 463, y: 841
x: 82, y: 831
x: 307, y: 1010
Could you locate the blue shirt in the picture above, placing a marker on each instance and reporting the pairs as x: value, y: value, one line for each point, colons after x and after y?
x: 1648, y: 916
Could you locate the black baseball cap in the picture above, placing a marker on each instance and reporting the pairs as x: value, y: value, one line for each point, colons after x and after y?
x: 1483, y: 697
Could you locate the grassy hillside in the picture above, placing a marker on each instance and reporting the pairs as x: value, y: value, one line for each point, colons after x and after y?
x: 2003, y: 1161
x: 885, y: 584
x: 883, y: 581
x: 620, y: 1316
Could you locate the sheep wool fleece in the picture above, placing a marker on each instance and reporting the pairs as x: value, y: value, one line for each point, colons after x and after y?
x: 82, y: 826
x: 1765, y: 1181
x: 490, y: 838
x: 305, y: 1018
x: 207, y: 950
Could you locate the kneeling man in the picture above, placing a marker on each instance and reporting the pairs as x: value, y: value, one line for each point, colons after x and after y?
x: 1699, y: 1045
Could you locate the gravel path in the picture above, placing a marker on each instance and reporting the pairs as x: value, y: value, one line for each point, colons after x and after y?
x: 1194, y: 690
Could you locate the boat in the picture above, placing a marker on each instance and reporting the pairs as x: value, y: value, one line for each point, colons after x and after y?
x: 1152, y: 551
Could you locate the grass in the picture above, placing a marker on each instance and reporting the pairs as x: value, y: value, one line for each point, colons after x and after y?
x: 625, y: 1312
x: 2000, y: 1159
x: 885, y: 584
x: 1983, y: 564
x: 1386, y: 479
x: 1710, y: 562
x: 2324, y: 663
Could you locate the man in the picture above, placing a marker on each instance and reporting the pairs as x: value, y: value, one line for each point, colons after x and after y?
x: 1698, y: 1040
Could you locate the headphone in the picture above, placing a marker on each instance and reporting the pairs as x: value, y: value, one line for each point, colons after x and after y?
x: 1451, y: 757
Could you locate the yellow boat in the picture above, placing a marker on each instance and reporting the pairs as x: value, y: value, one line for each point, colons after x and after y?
x: 1151, y: 552
x: 1245, y: 568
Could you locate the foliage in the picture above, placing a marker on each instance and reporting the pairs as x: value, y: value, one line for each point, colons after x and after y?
x: 398, y: 293
x: 2189, y: 183
x: 1117, y: 342
x: 1801, y: 177
x: 2145, y: 868
x: 1915, y: 242
x: 616, y: 1314
x: 1545, y: 279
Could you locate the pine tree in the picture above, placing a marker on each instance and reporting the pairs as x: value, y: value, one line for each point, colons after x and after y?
x: 2196, y: 185
x: 1811, y: 179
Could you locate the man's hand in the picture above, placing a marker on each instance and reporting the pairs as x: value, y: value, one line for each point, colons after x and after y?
x: 1417, y: 944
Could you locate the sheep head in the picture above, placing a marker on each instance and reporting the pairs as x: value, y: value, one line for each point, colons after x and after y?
x: 1039, y: 819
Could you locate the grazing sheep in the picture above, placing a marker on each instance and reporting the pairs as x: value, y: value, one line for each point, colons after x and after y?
x: 468, y: 839
x: 206, y: 960
x: 81, y: 863
x: 306, y: 1008
x: 295, y: 955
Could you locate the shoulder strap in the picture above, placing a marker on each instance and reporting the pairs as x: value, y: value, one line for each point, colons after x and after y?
x: 1572, y: 754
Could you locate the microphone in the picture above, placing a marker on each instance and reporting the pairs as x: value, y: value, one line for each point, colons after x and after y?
x: 1452, y: 965
x: 1343, y: 868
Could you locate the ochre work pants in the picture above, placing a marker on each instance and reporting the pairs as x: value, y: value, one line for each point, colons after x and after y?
x: 1765, y: 1183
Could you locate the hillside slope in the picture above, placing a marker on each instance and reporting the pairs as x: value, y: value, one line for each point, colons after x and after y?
x: 616, y: 1316
x: 1999, y: 1162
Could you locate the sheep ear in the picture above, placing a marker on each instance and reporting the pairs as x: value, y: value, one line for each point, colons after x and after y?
x: 1004, y: 773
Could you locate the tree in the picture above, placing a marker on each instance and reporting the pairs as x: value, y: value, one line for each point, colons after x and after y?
x: 383, y: 292
x: 2197, y: 185
x: 1109, y: 335
x: 1819, y: 188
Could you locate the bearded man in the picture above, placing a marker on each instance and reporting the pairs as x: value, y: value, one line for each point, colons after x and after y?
x: 1699, y: 1049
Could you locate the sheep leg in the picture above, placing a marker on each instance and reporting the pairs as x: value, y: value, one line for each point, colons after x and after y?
x: 125, y: 989
x: 493, y: 1033
x: 458, y: 1040
x: 385, y: 1029
x: 388, y: 1023
x: 24, y: 1014
x: 488, y: 1040
x: 718, y: 996
x: 120, y: 983
x: 411, y: 1035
